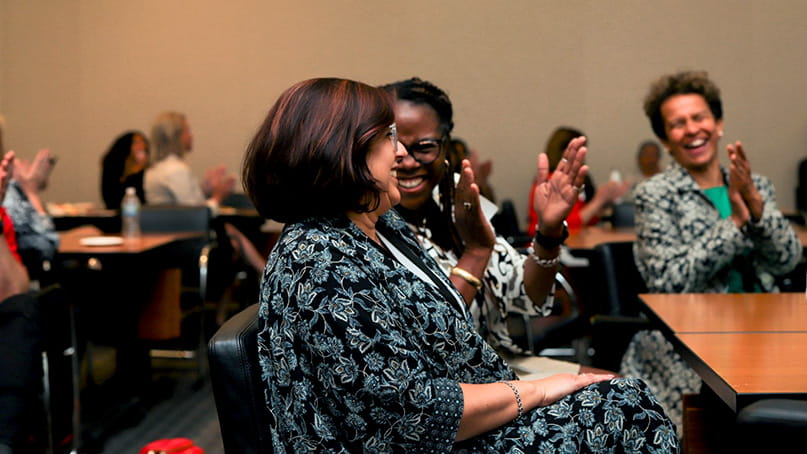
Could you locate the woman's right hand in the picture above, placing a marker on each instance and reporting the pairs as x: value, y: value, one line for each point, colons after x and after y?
x: 472, y: 225
x: 555, y: 387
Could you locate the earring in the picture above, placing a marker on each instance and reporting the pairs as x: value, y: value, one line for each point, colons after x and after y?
x: 448, y: 164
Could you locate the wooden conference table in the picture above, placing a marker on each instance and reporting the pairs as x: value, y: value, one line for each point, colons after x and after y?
x: 588, y: 238
x: 746, y: 347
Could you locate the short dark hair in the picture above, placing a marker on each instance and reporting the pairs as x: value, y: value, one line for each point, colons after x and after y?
x: 557, y: 144
x: 309, y: 157
x: 682, y: 83
x: 419, y: 91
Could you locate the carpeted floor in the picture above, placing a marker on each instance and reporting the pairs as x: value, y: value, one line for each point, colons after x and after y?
x: 178, y: 404
x: 189, y: 413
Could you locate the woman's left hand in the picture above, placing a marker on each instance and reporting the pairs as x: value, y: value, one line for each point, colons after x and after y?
x: 555, y: 196
x: 740, y: 180
x: 472, y: 225
x: 33, y: 177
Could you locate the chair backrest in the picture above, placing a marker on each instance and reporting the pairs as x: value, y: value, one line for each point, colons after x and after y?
x: 620, y: 281
x: 175, y: 218
x: 772, y: 425
x: 623, y: 215
x: 235, y: 375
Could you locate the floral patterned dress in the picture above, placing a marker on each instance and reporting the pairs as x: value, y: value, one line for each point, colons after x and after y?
x: 360, y: 355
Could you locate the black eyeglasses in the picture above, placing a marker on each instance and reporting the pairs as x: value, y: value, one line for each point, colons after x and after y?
x: 425, y: 151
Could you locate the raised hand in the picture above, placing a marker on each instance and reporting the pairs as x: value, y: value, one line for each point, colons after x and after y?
x: 555, y: 196
x: 740, y: 181
x: 33, y: 176
x: 218, y: 183
x: 472, y: 225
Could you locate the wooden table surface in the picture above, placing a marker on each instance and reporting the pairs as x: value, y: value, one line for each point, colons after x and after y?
x: 70, y: 242
x: 726, y: 313
x: 744, y: 367
x: 589, y: 237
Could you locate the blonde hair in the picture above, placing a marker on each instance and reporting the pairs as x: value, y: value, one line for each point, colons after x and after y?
x: 166, y: 135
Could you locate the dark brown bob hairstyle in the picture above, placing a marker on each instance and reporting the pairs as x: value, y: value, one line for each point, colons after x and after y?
x: 682, y: 83
x: 309, y: 157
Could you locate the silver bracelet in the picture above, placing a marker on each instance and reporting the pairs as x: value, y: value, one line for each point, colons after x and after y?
x: 518, y: 397
x: 543, y: 263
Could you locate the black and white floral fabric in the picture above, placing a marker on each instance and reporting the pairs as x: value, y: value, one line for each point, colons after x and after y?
x: 360, y: 355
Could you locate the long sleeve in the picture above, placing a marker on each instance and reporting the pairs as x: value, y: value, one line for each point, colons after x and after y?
x: 683, y: 245
x: 346, y: 323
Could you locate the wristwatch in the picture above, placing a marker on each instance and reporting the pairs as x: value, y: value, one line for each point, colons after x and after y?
x: 551, y: 242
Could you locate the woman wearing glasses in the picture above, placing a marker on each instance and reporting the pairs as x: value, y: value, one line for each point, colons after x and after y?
x: 365, y: 345
x: 493, y: 278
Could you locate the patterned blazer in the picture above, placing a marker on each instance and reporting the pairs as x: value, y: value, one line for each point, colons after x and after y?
x: 683, y: 245
x: 358, y: 353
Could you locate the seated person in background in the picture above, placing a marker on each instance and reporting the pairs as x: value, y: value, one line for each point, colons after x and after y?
x: 493, y: 278
x: 592, y: 202
x: 123, y: 166
x: 35, y: 232
x: 19, y: 335
x: 648, y: 159
x: 364, y: 342
x: 170, y: 181
x: 701, y: 227
x: 482, y: 169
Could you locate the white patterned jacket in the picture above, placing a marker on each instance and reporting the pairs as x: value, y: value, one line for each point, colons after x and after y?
x: 683, y: 245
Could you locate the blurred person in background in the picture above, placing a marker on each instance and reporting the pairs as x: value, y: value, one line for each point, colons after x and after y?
x: 123, y: 166
x: 593, y: 202
x: 35, y: 231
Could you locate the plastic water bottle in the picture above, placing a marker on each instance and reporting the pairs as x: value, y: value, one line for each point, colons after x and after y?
x: 130, y: 215
x: 616, y: 177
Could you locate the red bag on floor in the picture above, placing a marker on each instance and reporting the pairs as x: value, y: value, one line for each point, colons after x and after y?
x: 172, y: 446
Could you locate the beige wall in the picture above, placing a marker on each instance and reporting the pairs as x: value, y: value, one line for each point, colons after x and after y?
x: 74, y: 74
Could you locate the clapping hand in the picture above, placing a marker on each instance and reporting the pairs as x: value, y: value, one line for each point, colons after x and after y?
x: 746, y: 203
x: 555, y: 196
x: 218, y: 183
x: 33, y: 176
x: 472, y: 226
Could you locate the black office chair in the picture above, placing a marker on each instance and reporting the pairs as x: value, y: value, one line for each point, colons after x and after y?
x: 506, y: 224
x: 38, y: 340
x: 193, y: 258
x: 772, y: 425
x: 235, y: 375
x: 617, y: 317
x: 556, y: 334
x: 622, y: 215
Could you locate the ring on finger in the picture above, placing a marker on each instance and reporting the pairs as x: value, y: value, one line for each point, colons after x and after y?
x: 468, y: 206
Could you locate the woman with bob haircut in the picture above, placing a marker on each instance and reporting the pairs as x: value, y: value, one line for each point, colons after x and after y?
x: 364, y: 343
x: 701, y: 227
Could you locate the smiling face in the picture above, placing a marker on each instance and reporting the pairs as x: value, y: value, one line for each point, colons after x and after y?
x: 139, y: 155
x: 692, y: 132
x: 383, y: 162
x: 418, y: 124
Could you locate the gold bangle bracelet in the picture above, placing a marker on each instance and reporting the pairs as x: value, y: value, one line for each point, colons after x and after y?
x: 467, y: 277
